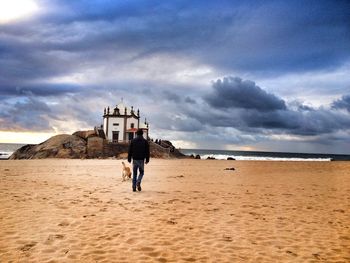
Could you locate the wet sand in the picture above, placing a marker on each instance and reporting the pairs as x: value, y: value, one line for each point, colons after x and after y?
x: 188, y: 211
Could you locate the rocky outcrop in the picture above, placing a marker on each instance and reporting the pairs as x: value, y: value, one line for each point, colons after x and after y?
x: 95, y: 147
x: 25, y: 152
x: 59, y: 146
x: 166, y: 150
x: 118, y: 150
x: 165, y: 143
x: 86, y: 144
x: 85, y: 134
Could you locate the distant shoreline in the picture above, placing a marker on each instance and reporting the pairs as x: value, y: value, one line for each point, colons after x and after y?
x: 264, y: 156
x: 6, y: 149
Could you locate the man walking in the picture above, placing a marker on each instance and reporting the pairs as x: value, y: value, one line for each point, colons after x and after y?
x: 138, y: 152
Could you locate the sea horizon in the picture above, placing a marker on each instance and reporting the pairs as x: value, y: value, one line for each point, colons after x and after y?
x: 265, y: 155
x: 6, y: 149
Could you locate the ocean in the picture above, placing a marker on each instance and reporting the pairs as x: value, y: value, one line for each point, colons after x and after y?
x: 6, y: 149
x: 265, y: 156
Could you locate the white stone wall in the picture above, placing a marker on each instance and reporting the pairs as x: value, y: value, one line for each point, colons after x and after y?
x: 120, y: 127
x: 129, y: 121
x: 111, y: 127
x: 105, y: 126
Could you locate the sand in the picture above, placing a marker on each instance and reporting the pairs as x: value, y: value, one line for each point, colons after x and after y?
x: 188, y: 211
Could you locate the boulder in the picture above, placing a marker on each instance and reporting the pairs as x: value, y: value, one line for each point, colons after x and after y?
x: 59, y: 146
x: 94, y: 147
x: 159, y: 151
x: 114, y: 149
x: 231, y: 158
x: 25, y: 152
x: 165, y: 143
x: 197, y: 157
x: 85, y: 134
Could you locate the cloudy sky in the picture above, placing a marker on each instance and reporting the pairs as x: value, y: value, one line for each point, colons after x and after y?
x: 250, y: 75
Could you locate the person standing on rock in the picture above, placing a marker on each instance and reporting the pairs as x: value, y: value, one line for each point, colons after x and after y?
x: 139, y: 154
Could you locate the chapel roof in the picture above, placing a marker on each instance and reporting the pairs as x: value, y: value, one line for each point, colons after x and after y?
x: 119, y: 109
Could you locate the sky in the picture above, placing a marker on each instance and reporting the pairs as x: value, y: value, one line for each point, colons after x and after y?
x: 232, y: 75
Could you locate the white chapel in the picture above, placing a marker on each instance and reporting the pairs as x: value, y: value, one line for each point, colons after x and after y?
x: 121, y: 123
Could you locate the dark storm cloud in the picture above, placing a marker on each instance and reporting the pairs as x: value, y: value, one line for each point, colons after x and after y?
x: 190, y: 100
x: 41, y: 89
x: 171, y: 96
x: 234, y: 103
x: 292, y: 37
x: 343, y: 103
x: 27, y: 114
x: 302, y: 107
x: 227, y: 34
x: 306, y: 123
x: 26, y: 58
x: 78, y: 35
x: 186, y: 125
x: 176, y: 97
x: 32, y: 113
x: 235, y: 93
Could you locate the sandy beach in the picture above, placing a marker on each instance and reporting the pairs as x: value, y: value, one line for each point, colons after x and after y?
x: 188, y: 211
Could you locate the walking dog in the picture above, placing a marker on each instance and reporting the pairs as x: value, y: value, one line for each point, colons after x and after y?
x: 126, y: 172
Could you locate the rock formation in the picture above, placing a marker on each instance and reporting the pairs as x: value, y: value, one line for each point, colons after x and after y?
x: 87, y: 144
x: 85, y: 134
x: 59, y: 146
x: 197, y: 157
x: 95, y: 146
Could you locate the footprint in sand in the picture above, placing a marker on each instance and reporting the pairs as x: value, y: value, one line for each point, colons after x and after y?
x: 103, y: 209
x: 28, y: 246
x: 317, y: 256
x: 171, y: 201
x: 339, y: 210
x: 85, y: 216
x: 291, y: 253
x: 64, y: 223
x: 227, y: 238
x: 52, y: 238
x: 171, y: 222
x: 190, y: 259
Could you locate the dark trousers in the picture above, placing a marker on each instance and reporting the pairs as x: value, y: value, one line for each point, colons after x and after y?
x: 137, y: 165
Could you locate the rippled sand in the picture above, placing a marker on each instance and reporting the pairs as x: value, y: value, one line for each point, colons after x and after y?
x: 188, y: 211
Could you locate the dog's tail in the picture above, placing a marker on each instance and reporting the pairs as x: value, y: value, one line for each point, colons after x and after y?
x: 123, y: 164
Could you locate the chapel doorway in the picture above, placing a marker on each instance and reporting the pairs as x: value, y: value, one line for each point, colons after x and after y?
x: 115, y: 136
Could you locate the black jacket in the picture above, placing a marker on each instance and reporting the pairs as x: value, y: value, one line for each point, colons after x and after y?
x: 138, y: 149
